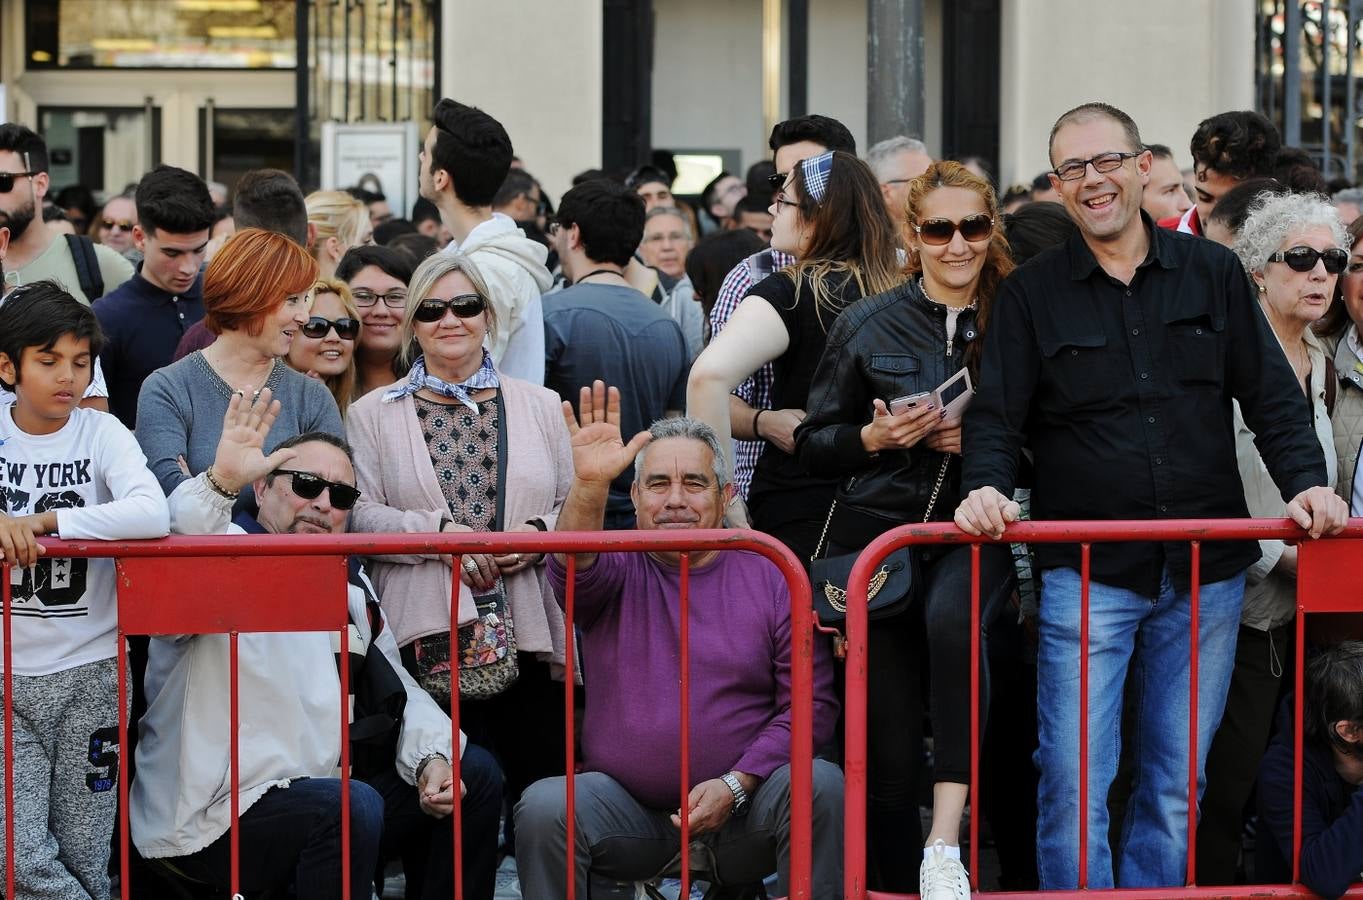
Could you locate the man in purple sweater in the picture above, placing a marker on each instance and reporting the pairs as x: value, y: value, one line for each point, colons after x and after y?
x: 627, y: 610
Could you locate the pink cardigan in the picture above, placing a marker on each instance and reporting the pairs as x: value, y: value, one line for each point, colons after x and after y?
x: 400, y: 494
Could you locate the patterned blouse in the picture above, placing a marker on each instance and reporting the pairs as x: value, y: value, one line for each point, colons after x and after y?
x: 463, y: 449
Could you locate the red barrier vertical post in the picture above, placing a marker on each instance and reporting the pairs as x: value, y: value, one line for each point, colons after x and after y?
x: 975, y: 748
x: 569, y: 729
x: 801, y: 733
x: 124, y: 884
x: 234, y: 724
x: 345, y: 756
x: 456, y: 773
x: 1194, y: 599
x: 1298, y: 705
x: 5, y: 594
x: 854, y: 761
x: 684, y: 811
x: 1086, y: 552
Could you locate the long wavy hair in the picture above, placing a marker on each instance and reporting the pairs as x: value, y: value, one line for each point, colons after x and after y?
x: 851, y: 236
x: 998, y: 260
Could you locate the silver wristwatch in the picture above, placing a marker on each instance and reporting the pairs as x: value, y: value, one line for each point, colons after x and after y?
x: 740, y: 807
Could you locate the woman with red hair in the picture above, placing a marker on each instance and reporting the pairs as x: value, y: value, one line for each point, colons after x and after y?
x: 256, y: 295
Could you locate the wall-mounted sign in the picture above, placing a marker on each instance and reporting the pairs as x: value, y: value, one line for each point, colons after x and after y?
x: 377, y: 156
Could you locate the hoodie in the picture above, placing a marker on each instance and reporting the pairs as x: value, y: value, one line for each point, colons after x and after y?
x: 1331, y: 817
x: 513, y: 267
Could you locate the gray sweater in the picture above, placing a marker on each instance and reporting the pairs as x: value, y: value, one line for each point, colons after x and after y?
x: 180, y: 411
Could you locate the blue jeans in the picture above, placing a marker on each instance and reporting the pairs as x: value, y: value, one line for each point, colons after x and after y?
x: 1152, y: 635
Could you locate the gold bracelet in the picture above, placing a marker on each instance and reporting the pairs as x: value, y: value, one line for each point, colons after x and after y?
x: 222, y: 491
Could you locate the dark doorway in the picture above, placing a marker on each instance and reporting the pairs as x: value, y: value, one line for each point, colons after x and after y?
x: 970, y: 79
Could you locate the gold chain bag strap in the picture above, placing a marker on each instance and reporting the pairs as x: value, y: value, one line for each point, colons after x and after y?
x: 890, y: 589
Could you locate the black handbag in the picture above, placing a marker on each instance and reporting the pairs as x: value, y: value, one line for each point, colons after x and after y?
x: 893, y: 587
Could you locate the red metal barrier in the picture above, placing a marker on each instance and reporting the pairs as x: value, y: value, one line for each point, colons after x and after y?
x: 152, y: 600
x: 1320, y: 567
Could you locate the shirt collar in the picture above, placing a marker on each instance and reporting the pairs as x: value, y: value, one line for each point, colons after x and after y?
x: 1083, y: 262
x: 150, y: 290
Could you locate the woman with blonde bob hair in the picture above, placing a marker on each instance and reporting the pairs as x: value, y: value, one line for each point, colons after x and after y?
x: 325, y: 348
x: 340, y: 222
x: 877, y: 423
x: 256, y: 296
x: 456, y: 445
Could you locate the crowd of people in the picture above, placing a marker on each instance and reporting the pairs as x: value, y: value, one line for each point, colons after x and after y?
x: 825, y: 348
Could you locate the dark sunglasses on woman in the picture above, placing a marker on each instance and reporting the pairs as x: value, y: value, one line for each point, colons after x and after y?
x: 940, y: 231
x: 1303, y: 259
x: 310, y: 487
x: 465, y: 306
x: 346, y: 329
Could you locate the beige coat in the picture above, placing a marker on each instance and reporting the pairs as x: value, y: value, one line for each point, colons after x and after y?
x: 1271, y: 597
x: 400, y: 493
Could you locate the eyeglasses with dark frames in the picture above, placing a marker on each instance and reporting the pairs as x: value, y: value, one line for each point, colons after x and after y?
x: 394, y: 299
x: 1074, y: 169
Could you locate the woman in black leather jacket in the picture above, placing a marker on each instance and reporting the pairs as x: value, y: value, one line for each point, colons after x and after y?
x: 896, y: 469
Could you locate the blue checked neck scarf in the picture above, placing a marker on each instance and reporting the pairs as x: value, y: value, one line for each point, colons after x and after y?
x: 418, y: 378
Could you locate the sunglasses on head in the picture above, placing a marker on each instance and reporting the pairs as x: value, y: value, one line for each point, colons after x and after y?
x: 346, y: 329
x: 310, y: 487
x: 1303, y: 259
x: 940, y: 231
x: 465, y: 306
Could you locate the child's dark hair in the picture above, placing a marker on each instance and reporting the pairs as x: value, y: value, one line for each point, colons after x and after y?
x: 37, y: 315
x: 1334, y: 693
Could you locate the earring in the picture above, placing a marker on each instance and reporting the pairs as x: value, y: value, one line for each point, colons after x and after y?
x: 1263, y: 289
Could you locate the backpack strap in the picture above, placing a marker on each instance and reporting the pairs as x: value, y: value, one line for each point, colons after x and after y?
x: 87, y: 266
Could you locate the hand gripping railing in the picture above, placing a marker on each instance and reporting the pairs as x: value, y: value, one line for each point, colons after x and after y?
x: 232, y: 584
x: 1324, y: 568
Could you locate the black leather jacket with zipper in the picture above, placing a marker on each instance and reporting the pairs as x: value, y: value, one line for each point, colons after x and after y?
x: 886, y: 346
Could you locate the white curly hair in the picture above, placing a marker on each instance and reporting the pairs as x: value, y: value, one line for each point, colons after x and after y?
x: 1273, y: 218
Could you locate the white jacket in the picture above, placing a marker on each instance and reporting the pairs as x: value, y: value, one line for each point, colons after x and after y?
x: 513, y: 267
x: 289, y: 705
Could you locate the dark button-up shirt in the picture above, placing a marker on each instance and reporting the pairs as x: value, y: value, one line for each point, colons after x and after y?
x: 142, y: 324
x: 1123, y: 393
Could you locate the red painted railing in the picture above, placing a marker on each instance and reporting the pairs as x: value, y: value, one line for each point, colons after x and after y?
x: 233, y: 584
x: 1327, y: 581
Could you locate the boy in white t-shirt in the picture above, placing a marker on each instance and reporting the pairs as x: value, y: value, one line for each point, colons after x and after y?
x: 80, y: 474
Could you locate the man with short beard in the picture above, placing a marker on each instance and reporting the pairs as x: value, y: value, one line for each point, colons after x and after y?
x: 36, y: 253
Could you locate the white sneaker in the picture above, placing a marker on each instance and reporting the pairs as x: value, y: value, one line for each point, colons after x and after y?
x: 942, y: 878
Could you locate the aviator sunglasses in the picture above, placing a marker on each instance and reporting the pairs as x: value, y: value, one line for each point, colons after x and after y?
x: 1303, y: 259
x: 346, y: 329
x: 465, y: 306
x: 310, y: 487
x: 940, y: 231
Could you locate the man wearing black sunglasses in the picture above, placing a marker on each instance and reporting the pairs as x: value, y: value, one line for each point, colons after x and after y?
x: 1114, y: 358
x: 402, y: 789
x: 35, y: 253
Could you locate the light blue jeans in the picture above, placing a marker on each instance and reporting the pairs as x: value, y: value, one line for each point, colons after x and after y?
x: 1151, y: 636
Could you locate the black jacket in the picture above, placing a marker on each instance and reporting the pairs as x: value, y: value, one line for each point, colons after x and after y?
x: 886, y: 346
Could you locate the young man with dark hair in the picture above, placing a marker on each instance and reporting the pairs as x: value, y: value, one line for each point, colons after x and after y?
x: 653, y: 187
x: 1164, y: 197
x: 377, y: 204
x: 791, y: 141
x: 147, y: 316
x: 720, y: 198
x: 268, y: 199
x: 602, y: 328
x: 78, y: 474
x: 1227, y: 148
x: 35, y: 253
x: 518, y: 197
x: 466, y: 157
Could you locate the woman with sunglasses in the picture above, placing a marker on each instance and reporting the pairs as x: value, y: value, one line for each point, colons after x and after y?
x: 1294, y: 248
x: 830, y: 215
x: 455, y: 445
x: 113, y: 227
x: 325, y: 346
x: 256, y: 300
x: 874, y: 424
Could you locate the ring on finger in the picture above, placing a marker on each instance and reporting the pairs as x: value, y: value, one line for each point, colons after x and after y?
x: 518, y: 559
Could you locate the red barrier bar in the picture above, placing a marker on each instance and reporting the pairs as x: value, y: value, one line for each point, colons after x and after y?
x: 1194, y: 599
x: 1086, y: 551
x: 570, y: 722
x: 975, y: 806
x: 6, y: 596
x: 1085, y: 534
x: 456, y: 759
x: 684, y: 811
